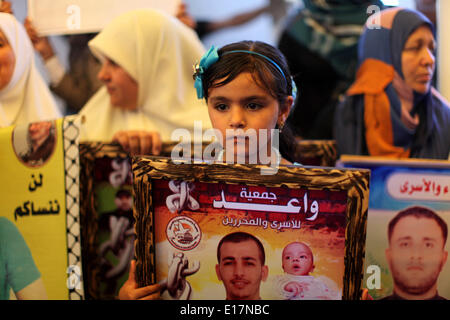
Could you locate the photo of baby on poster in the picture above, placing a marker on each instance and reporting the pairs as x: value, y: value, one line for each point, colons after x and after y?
x: 220, y: 241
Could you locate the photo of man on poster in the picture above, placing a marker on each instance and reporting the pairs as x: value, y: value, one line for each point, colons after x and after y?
x: 117, y: 250
x: 241, y: 266
x: 40, y: 141
x: 416, y: 253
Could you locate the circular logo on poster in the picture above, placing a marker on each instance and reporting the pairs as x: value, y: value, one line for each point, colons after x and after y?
x: 183, y: 233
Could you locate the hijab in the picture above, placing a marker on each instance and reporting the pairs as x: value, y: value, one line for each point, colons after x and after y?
x: 26, y: 98
x: 391, y: 108
x: 159, y: 52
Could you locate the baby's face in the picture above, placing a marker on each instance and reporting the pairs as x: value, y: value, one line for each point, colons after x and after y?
x: 297, y: 259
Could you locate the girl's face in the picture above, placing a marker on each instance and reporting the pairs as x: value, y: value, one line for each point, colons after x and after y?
x: 122, y: 88
x: 418, y: 59
x: 242, y: 105
x: 7, y: 61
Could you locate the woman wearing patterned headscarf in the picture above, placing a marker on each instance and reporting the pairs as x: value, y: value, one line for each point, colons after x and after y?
x: 391, y: 110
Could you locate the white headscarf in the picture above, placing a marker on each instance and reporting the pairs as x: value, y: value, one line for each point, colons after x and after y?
x: 159, y: 52
x: 26, y: 98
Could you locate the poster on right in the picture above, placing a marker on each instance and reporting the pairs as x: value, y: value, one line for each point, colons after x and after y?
x: 407, y: 228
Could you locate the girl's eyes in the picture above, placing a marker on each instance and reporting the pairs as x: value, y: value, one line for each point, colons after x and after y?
x: 221, y: 107
x: 250, y: 106
x: 254, y: 106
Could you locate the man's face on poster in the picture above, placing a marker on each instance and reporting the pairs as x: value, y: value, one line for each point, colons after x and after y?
x: 39, y: 131
x: 241, y: 270
x: 416, y: 254
x: 124, y: 202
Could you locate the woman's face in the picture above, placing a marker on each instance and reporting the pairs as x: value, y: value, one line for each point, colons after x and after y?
x: 241, y: 105
x: 122, y: 88
x: 418, y: 59
x: 7, y: 61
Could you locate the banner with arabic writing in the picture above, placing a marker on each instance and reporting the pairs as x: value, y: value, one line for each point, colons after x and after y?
x: 39, y: 216
x: 417, y: 192
x: 227, y: 232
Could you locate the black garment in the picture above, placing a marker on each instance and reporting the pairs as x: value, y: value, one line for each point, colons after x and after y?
x: 202, y: 28
x: 319, y: 87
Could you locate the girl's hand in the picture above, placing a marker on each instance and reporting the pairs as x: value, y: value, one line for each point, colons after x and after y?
x: 130, y: 290
x: 365, y: 295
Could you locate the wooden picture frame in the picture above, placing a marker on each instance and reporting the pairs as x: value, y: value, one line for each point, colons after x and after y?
x: 346, y: 189
x: 90, y: 152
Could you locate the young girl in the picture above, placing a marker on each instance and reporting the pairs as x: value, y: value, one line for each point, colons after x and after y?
x: 249, y: 91
x: 247, y: 86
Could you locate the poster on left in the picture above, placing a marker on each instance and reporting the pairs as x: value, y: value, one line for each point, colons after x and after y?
x: 39, y: 217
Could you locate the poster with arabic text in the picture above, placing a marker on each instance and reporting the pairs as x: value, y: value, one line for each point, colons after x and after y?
x: 222, y: 236
x: 40, y: 251
x: 407, y: 228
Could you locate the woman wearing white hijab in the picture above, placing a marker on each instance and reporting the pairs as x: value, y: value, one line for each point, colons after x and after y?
x: 24, y: 96
x: 147, y: 71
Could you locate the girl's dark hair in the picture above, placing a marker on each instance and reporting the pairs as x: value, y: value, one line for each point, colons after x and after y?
x: 264, y: 72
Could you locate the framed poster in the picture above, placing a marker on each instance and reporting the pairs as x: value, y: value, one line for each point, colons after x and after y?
x: 195, y: 221
x: 409, y: 214
x: 39, y: 217
x: 107, y: 216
